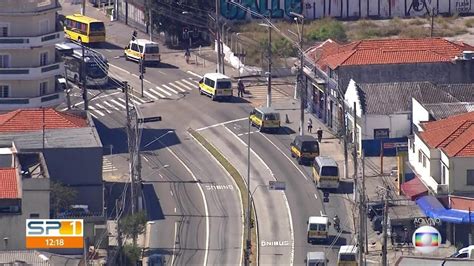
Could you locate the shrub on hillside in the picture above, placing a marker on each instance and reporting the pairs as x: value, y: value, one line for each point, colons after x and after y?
x: 327, y: 29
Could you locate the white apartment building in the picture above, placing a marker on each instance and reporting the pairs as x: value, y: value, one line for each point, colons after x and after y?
x: 29, y: 66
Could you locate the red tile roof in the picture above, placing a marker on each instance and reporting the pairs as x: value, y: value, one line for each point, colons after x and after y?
x: 386, y: 51
x: 8, y: 183
x: 33, y: 120
x: 454, y: 135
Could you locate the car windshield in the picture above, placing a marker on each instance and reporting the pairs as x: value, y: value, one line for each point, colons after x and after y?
x: 224, y: 84
x: 309, y: 146
x: 330, y: 171
x: 93, y: 70
x: 149, y: 49
x: 97, y: 26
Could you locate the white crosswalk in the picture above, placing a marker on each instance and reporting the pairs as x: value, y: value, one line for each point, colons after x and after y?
x: 107, y: 166
x: 116, y: 102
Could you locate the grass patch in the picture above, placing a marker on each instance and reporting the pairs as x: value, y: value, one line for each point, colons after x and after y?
x: 239, y: 180
x: 328, y: 28
x: 469, y: 23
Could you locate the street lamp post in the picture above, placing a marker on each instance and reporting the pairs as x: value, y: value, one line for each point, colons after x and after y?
x: 249, y: 238
x: 269, y: 68
x: 300, y: 74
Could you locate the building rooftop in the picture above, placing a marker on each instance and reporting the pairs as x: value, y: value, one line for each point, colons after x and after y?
x: 453, y: 135
x: 395, y: 97
x: 443, y: 110
x: 38, y: 119
x: 34, y: 257
x: 9, y: 188
x: 386, y: 51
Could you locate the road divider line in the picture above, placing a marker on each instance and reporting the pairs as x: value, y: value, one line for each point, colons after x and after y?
x: 135, y: 75
x: 174, y: 209
x: 171, y: 193
x: 316, y: 196
x: 119, y: 68
x: 164, y: 91
x: 174, y: 242
x: 147, y: 81
x: 170, y: 89
x: 177, y: 87
x: 286, y: 156
x: 194, y: 74
x: 221, y: 124
x: 206, y: 210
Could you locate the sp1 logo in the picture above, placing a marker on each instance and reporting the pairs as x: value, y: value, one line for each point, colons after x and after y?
x: 41, y: 227
x: 54, y: 233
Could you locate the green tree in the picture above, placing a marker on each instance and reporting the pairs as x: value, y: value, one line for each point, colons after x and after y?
x: 61, y: 196
x: 131, y: 226
x: 324, y: 29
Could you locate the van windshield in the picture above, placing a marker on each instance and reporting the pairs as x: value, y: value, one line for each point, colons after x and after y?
x: 347, y: 257
x: 330, y: 171
x: 152, y: 49
x: 309, y: 146
x: 313, y: 227
x: 224, y: 85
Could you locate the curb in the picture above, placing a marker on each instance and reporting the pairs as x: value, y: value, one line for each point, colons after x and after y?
x: 239, y: 180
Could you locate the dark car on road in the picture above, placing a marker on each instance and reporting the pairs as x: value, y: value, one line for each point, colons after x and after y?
x: 304, y: 149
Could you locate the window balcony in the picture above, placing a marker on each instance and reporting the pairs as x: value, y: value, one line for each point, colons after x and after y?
x: 32, y: 73
x: 32, y: 42
x: 50, y: 100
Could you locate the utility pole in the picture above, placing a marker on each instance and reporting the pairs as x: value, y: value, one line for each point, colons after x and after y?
x: 142, y: 70
x: 354, y: 154
x: 218, y: 37
x: 385, y: 225
x: 83, y: 78
x: 344, y: 128
x: 249, y: 204
x: 364, y: 204
x: 131, y: 149
x: 432, y: 22
x: 361, y: 216
x: 150, y: 21
x: 269, y: 88
x: 300, y: 74
x: 83, y: 7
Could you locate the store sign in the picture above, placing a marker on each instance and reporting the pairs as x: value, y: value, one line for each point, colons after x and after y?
x: 381, y: 133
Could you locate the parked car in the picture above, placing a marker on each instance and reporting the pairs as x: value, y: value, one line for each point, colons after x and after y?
x: 75, y: 211
x: 377, y: 224
x: 464, y: 253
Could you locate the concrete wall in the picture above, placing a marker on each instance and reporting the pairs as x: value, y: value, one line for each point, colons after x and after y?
x: 397, y: 124
x: 313, y: 9
x: 35, y: 200
x: 18, y: 26
x: 458, y: 174
x: 419, y: 113
x: 458, y: 72
x: 430, y: 174
x: 28, y: 88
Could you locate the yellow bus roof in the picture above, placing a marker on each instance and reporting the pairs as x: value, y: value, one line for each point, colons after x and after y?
x: 82, y: 18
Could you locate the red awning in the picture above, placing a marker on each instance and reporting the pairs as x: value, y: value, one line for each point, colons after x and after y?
x: 414, y: 188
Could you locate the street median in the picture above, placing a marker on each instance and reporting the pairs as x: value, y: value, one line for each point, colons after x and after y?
x: 239, y: 180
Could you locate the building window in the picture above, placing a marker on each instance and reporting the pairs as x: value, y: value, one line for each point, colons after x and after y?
x: 420, y: 156
x: 443, y: 174
x: 4, y: 91
x: 424, y: 161
x: 34, y: 215
x: 3, y: 31
x: 43, y: 58
x: 4, y: 61
x: 43, y: 88
x: 470, y: 177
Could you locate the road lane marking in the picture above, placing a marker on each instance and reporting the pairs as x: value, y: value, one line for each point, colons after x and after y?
x: 186, y: 86
x: 321, y: 212
x: 161, y: 176
x: 189, y: 83
x: 170, y: 89
x: 135, y: 75
x: 144, y: 158
x: 138, y: 98
x: 316, y: 196
x: 171, y: 193
x: 125, y: 102
x: 135, y: 101
x: 177, y: 87
x: 157, y: 93
x: 194, y: 74
x: 110, y: 105
x: 219, y: 187
x: 150, y: 95
x: 103, y: 108
x: 175, y: 209
x: 97, y: 111
x: 119, y: 68
x: 286, y: 156
x: 147, y: 81
x: 240, y: 199
x: 283, y: 243
x: 221, y: 124
x: 206, y: 210
x: 119, y: 104
x: 285, y: 199
x: 246, y: 133
x: 174, y: 243
x: 164, y: 91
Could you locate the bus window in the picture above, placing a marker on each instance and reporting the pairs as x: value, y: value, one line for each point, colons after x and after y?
x: 330, y: 171
x: 97, y: 26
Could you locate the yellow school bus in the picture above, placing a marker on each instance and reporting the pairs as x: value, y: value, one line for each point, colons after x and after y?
x: 84, y: 29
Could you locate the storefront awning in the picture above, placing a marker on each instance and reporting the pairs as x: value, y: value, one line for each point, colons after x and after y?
x: 414, y: 188
x: 434, y: 209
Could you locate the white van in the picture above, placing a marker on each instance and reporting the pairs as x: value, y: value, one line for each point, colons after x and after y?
x: 316, y: 258
x: 139, y: 49
x: 216, y: 85
x: 318, y: 229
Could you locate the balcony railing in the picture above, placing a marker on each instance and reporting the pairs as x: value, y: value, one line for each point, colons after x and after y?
x: 49, y: 100
x: 31, y: 42
x: 32, y: 73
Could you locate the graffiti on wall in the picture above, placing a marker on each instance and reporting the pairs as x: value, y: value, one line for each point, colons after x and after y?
x: 278, y: 8
x: 354, y: 9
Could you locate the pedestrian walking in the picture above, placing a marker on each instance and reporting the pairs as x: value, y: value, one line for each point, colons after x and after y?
x: 310, y: 125
x: 320, y: 134
x: 240, y: 88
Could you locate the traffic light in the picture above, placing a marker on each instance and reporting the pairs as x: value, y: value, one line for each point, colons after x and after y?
x: 326, y: 196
